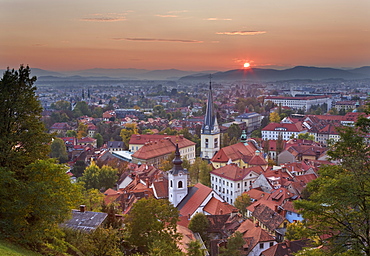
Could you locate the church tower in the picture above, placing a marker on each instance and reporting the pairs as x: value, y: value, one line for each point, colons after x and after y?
x: 177, y: 180
x: 210, y: 134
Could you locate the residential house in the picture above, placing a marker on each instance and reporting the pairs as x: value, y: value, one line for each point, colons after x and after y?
x: 284, y: 131
x: 230, y: 181
x: 255, y: 237
x: 60, y: 128
x: 252, y: 121
x: 245, y: 154
x: 85, y: 220
x: 186, y: 147
x: 115, y: 146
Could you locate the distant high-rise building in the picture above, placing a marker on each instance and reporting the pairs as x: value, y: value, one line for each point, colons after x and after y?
x: 210, y: 134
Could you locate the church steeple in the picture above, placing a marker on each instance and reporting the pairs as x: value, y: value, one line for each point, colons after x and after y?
x: 210, y: 134
x: 210, y: 125
x: 177, y: 180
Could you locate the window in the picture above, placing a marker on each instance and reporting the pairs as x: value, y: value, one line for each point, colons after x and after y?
x: 238, y: 185
x: 227, y: 183
x: 223, y: 182
x: 271, y: 244
x: 245, y: 183
x: 261, y: 245
x: 216, y: 142
x: 171, y: 185
x: 206, y: 143
x: 179, y: 184
x: 227, y: 191
x: 231, y: 193
x: 231, y: 185
x: 231, y: 201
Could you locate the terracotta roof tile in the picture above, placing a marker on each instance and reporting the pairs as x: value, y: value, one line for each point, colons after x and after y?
x: 235, y: 173
x: 216, y: 207
x: 195, y: 197
x: 234, y: 152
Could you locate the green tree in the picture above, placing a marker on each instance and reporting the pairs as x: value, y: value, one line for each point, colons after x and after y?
x: 58, y: 150
x: 242, y: 202
x: 99, y: 178
x: 61, y: 105
x: 195, y: 249
x: 159, y: 224
x: 234, y: 131
x: 204, y: 172
x: 99, y: 139
x: 79, y: 168
x: 92, y: 198
x: 234, y: 245
x: 199, y: 224
x: 306, y: 136
x: 297, y: 230
x: 23, y: 139
x: 34, y: 218
x: 71, y: 133
x: 339, y: 202
x: 126, y: 133
x: 81, y: 109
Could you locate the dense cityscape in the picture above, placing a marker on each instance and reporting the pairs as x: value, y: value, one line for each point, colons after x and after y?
x: 184, y: 128
x: 227, y: 167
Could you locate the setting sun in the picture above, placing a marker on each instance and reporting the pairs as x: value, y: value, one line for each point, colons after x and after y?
x: 247, y: 65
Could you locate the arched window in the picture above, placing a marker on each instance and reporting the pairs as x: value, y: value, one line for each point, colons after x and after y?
x: 171, y: 184
x: 179, y: 184
x: 206, y: 143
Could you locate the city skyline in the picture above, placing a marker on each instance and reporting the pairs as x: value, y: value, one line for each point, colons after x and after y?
x: 188, y: 35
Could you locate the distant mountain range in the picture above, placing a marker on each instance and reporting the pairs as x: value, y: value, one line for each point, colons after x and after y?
x: 299, y: 72
x: 251, y: 74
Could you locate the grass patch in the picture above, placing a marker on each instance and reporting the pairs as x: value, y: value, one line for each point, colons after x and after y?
x: 9, y: 249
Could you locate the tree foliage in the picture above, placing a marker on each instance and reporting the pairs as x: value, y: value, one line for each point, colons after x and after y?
x: 306, y: 136
x: 58, y: 150
x: 274, y: 117
x: 199, y: 171
x: 242, y: 202
x: 339, y: 201
x: 23, y: 139
x: 234, y: 245
x: 199, y: 224
x: 31, y: 213
x: 99, y: 178
x: 143, y: 229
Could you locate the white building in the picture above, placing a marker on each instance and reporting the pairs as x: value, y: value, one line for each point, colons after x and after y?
x: 231, y: 181
x: 304, y: 103
x: 273, y: 130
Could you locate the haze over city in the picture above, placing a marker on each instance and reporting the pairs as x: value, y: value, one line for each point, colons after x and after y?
x: 187, y: 35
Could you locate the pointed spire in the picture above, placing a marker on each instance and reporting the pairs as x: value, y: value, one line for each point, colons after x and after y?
x: 177, y: 160
x: 210, y: 122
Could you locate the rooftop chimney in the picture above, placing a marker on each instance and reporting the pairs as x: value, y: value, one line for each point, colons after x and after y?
x: 82, y: 208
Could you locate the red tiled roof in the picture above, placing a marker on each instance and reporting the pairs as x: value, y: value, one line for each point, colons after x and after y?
x: 193, y: 200
x: 161, y: 188
x: 86, y: 140
x: 235, y: 173
x: 234, y: 152
x: 155, y: 149
x: 216, y: 207
x: 253, y: 234
x: 257, y: 194
x: 296, y: 127
x: 142, y: 139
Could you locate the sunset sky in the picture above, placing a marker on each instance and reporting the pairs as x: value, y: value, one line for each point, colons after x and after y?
x: 189, y: 35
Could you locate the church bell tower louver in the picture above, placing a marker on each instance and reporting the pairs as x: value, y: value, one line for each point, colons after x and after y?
x: 210, y: 134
